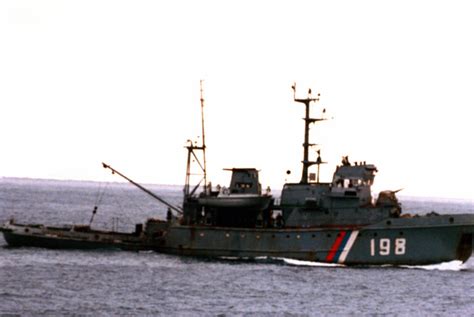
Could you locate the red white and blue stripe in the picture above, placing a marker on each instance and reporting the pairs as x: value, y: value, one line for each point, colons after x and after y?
x: 341, y: 246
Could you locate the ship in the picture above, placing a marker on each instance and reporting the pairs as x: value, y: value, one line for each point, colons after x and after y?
x: 331, y: 222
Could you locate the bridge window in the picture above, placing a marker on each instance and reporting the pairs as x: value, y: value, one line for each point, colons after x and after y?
x: 244, y: 185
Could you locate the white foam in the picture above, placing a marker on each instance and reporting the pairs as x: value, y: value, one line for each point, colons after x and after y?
x: 261, y: 258
x: 309, y: 263
x: 243, y: 258
x: 455, y: 265
x: 445, y: 266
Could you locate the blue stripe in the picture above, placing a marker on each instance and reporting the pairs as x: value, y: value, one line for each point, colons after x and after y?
x: 342, y: 246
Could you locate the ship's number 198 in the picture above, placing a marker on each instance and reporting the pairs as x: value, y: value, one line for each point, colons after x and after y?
x: 383, y: 247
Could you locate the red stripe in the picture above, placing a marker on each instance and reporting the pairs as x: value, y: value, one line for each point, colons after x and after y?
x: 335, y: 246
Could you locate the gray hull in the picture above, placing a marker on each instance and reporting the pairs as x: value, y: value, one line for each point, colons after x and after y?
x: 402, y: 241
x: 17, y: 235
x: 415, y: 241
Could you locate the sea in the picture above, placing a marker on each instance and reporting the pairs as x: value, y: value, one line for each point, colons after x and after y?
x: 41, y: 282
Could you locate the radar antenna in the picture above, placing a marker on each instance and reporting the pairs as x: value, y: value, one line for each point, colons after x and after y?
x: 318, y: 162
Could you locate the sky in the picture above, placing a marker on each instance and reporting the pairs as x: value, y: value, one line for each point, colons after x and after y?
x: 83, y: 82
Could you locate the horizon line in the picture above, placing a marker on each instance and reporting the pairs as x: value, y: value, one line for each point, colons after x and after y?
x: 19, y: 178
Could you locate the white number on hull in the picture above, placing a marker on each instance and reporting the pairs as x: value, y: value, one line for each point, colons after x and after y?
x: 383, y: 247
x: 400, y: 246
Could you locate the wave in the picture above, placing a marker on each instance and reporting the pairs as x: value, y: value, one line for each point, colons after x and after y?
x: 310, y: 263
x: 455, y: 265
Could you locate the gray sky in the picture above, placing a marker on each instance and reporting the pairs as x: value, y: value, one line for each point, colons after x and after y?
x: 83, y: 82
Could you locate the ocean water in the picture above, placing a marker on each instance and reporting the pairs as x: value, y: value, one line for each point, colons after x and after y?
x: 37, y: 282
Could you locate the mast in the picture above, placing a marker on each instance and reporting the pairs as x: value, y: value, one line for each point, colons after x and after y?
x: 308, y: 120
x: 203, y: 138
x: 193, y: 157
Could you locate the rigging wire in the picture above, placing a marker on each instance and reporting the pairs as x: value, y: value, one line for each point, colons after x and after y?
x: 100, y: 193
x: 116, y: 195
x: 132, y: 199
x: 103, y: 186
